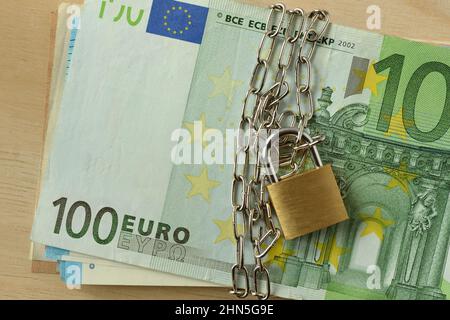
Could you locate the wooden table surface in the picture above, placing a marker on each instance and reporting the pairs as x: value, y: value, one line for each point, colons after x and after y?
x: 24, y: 51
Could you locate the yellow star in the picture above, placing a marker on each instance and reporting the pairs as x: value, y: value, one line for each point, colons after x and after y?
x: 277, y: 251
x: 201, y: 185
x: 335, y: 253
x: 226, y: 230
x: 400, y: 177
x: 398, y: 126
x: 375, y: 223
x: 224, y: 85
x: 369, y: 79
x: 190, y: 127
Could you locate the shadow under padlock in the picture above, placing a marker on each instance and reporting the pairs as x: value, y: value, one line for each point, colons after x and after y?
x: 306, y: 201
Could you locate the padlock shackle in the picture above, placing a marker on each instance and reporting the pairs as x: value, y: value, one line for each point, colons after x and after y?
x: 277, y: 136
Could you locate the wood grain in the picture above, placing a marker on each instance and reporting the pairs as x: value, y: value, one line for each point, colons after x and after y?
x: 25, y: 44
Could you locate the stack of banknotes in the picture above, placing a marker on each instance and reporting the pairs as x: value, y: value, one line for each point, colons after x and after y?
x: 115, y: 208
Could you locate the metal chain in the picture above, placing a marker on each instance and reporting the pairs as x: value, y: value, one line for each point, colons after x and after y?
x: 307, y: 49
x: 249, y: 195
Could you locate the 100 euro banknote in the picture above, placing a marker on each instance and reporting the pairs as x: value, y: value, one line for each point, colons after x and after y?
x: 111, y: 189
x: 77, y: 269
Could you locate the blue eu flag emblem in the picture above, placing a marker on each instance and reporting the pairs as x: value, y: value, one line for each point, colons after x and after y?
x: 178, y: 20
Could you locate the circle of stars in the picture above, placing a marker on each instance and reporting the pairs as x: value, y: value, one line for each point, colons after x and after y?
x: 173, y: 10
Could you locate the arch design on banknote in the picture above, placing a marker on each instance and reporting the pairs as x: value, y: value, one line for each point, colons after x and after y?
x: 398, y: 198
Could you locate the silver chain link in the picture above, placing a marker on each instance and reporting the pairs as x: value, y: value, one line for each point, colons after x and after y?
x: 249, y: 195
x: 309, y: 42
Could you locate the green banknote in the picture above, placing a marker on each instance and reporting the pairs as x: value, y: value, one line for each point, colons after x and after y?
x: 77, y: 269
x: 110, y: 188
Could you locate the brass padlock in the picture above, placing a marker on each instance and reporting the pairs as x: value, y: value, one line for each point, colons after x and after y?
x: 308, y: 201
